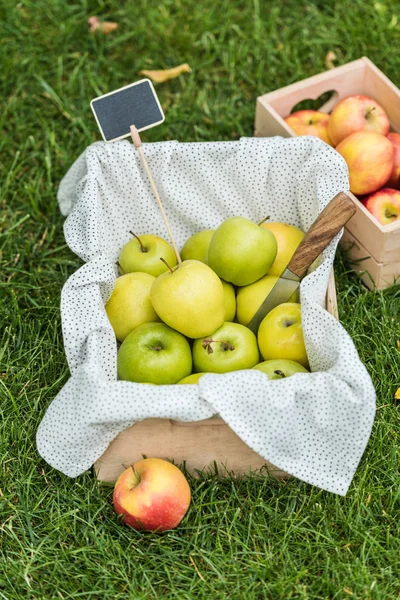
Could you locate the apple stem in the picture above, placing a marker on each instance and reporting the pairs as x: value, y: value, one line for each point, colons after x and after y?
x: 208, y: 341
x: 142, y: 248
x: 280, y: 373
x: 369, y: 111
x: 165, y: 263
x: 263, y: 221
x: 118, y: 265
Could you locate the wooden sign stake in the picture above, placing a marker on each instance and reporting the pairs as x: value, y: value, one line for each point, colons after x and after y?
x: 138, y: 145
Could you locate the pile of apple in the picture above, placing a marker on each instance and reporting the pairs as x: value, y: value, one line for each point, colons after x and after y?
x: 180, y: 315
x: 359, y: 129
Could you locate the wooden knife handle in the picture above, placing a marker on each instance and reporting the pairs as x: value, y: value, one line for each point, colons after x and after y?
x: 331, y: 220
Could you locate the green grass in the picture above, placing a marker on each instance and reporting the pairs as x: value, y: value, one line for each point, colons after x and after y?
x: 251, y: 538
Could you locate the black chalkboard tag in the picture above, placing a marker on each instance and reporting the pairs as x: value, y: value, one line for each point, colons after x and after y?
x: 135, y: 104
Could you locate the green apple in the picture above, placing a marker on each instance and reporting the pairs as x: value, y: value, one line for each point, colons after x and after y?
x: 189, y: 298
x: 280, y: 368
x: 280, y: 334
x: 232, y: 347
x: 250, y: 297
x: 196, y: 247
x: 143, y: 254
x: 193, y: 378
x: 129, y: 305
x: 288, y: 237
x: 154, y: 353
x: 230, y: 300
x: 241, y: 251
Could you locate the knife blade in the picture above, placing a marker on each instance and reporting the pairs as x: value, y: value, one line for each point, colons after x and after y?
x: 328, y: 223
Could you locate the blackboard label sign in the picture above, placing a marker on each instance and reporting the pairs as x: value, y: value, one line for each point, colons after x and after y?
x: 135, y: 104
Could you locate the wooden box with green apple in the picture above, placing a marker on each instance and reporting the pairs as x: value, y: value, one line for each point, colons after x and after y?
x: 202, y: 445
x: 372, y: 249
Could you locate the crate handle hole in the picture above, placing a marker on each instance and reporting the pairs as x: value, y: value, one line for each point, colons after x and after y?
x: 324, y: 103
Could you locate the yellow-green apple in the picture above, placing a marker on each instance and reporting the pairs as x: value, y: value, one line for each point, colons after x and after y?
x: 356, y: 113
x: 370, y: 159
x: 143, y: 253
x: 280, y: 334
x: 189, y: 298
x: 280, y: 368
x: 129, y: 304
x: 230, y: 300
x: 193, y: 378
x: 196, y: 247
x: 394, y: 180
x: 310, y: 122
x: 241, y: 251
x: 154, y: 353
x: 152, y: 495
x: 232, y: 347
x: 288, y: 237
x: 384, y: 205
x: 250, y: 297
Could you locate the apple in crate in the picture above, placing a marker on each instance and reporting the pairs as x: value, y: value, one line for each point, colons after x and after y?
x: 288, y: 237
x: 189, y: 298
x: 310, y: 122
x: 356, y: 113
x: 241, y: 251
x: 143, y: 253
x: 384, y: 205
x: 196, y: 247
x: 232, y: 347
x: 154, y: 353
x: 280, y: 368
x: 129, y: 304
x: 152, y: 495
x: 370, y: 159
x: 394, y: 181
x: 280, y: 335
x: 250, y: 297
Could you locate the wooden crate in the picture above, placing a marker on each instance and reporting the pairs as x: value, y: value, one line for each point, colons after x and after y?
x: 381, y: 242
x: 198, y: 445
x: 373, y: 273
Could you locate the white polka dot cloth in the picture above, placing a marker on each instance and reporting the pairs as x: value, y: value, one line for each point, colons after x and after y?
x: 314, y: 426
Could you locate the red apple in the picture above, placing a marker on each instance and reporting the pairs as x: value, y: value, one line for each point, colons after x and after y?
x: 394, y: 181
x: 370, y: 159
x: 152, y: 495
x: 310, y: 122
x: 356, y: 113
x: 384, y: 205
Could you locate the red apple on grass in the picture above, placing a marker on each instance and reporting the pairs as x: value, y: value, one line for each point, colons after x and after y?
x: 384, y: 205
x: 370, y: 159
x: 310, y: 122
x: 356, y: 113
x: 152, y: 495
x: 394, y: 181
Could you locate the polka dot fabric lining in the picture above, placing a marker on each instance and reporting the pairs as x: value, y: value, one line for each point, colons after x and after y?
x: 314, y: 426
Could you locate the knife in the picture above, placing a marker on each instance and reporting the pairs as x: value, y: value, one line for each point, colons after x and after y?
x: 328, y: 223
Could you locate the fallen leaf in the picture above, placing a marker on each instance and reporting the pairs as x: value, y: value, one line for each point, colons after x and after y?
x: 103, y: 26
x: 165, y: 74
x: 329, y: 58
x: 398, y: 344
x: 397, y: 394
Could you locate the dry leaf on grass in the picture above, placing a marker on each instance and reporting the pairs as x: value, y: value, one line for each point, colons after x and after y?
x: 165, y: 74
x: 329, y: 58
x: 103, y: 26
x: 397, y: 394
